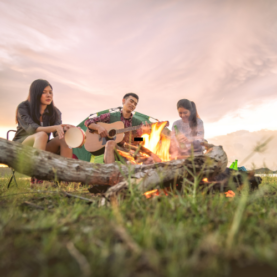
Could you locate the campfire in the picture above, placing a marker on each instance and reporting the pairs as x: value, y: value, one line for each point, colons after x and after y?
x: 211, y: 165
x: 158, y: 143
x: 154, y: 147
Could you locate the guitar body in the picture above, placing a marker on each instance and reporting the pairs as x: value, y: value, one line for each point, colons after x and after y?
x: 94, y: 142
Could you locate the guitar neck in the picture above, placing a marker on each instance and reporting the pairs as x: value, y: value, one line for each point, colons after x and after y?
x: 134, y: 128
x: 129, y: 129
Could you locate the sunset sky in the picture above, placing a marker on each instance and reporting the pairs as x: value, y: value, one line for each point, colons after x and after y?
x: 220, y: 54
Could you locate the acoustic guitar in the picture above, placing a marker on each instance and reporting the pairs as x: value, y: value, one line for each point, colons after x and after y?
x: 94, y: 142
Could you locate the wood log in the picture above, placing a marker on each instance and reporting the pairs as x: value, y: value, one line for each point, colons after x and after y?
x: 210, y: 164
x: 47, y: 166
x: 143, y: 149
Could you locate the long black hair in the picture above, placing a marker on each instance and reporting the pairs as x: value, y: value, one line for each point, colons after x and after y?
x: 189, y: 105
x: 35, y: 92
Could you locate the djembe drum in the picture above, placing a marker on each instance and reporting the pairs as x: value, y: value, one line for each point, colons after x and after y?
x: 75, y: 137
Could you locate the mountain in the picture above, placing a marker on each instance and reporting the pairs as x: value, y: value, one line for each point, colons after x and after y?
x: 265, y: 170
x: 243, y: 146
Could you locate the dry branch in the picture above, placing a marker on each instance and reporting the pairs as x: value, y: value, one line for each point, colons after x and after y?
x: 29, y: 204
x: 143, y: 149
x: 70, y: 195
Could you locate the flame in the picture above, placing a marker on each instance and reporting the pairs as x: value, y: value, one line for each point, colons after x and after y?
x: 205, y: 180
x: 150, y: 193
x: 230, y: 193
x: 154, y: 192
x: 127, y: 156
x: 158, y: 143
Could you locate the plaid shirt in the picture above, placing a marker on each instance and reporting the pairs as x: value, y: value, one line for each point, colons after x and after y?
x: 105, y: 118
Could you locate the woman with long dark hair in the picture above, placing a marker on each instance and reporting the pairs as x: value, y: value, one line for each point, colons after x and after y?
x: 187, y: 132
x: 37, y: 118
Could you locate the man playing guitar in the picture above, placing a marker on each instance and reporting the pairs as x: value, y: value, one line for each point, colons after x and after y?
x: 130, y: 101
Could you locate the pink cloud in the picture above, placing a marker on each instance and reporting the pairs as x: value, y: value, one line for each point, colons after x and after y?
x: 220, y: 54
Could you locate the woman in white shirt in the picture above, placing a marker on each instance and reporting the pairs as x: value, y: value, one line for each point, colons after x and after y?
x: 187, y: 132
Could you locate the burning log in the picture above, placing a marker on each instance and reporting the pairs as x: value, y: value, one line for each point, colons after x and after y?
x: 143, y: 149
x: 135, y: 156
x: 146, y: 178
x: 127, y: 156
x: 229, y: 179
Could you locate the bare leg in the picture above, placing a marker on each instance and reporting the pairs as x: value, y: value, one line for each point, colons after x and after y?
x: 37, y: 140
x: 56, y: 144
x: 65, y: 150
x: 109, y: 152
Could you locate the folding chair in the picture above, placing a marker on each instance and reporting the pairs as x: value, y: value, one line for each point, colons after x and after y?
x: 13, y: 171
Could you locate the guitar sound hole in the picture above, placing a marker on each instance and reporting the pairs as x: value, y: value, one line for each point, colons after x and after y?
x: 112, y: 133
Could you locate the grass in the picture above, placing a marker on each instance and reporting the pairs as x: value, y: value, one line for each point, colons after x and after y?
x: 178, y: 235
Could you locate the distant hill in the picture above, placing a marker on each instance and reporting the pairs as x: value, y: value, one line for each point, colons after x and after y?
x: 238, y: 145
x: 265, y: 170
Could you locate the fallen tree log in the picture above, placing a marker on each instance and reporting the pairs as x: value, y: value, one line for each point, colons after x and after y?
x: 47, y: 166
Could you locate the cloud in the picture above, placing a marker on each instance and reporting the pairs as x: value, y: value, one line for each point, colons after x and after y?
x: 221, y: 54
x: 238, y: 145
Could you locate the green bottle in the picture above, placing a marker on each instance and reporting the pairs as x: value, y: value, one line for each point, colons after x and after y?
x: 236, y: 165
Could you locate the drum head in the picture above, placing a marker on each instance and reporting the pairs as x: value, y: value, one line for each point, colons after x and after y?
x: 74, y: 137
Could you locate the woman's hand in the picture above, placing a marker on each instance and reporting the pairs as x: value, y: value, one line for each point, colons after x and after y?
x: 182, y: 138
x: 102, y: 131
x: 66, y: 127
x: 59, y: 130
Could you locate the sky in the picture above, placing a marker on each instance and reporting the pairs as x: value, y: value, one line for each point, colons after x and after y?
x: 221, y: 54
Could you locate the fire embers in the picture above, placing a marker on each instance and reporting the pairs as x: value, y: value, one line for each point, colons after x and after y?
x: 229, y: 194
x: 127, y: 156
x: 229, y: 179
x: 144, y: 159
x: 136, y: 157
x: 156, y: 192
